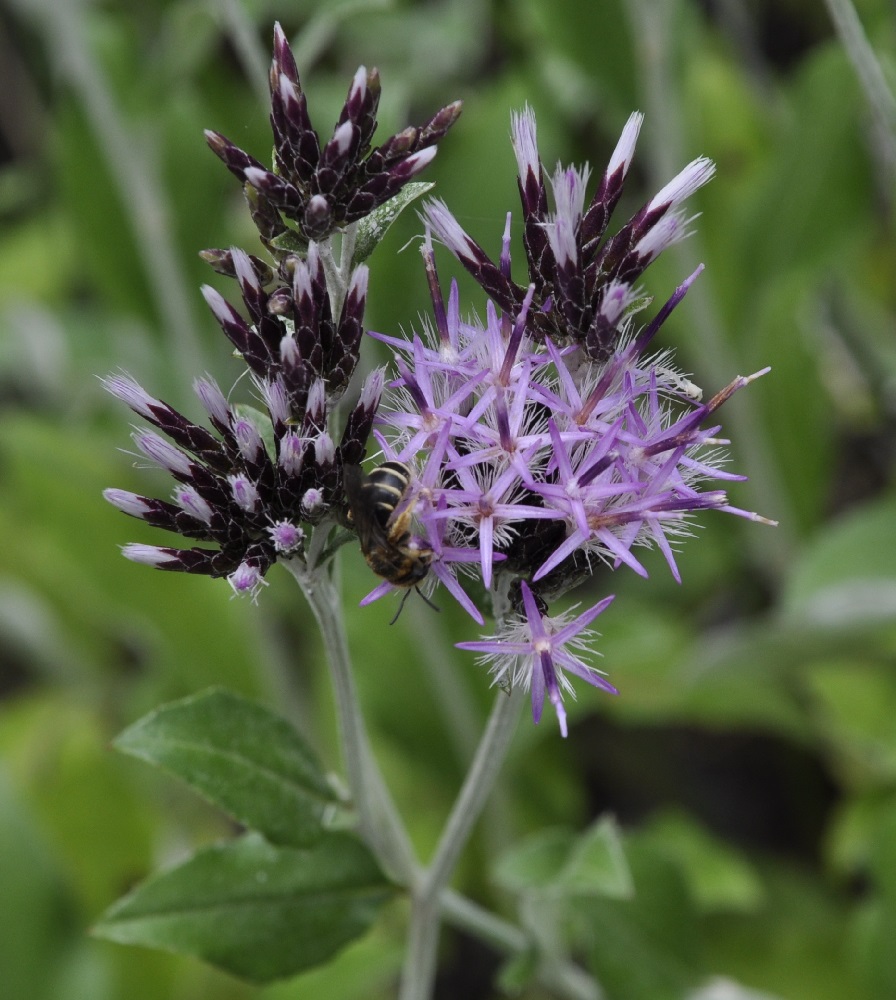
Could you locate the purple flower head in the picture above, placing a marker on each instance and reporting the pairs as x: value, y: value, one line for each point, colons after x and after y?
x: 538, y: 651
x: 317, y: 186
x: 541, y: 459
x: 521, y: 450
x: 552, y: 437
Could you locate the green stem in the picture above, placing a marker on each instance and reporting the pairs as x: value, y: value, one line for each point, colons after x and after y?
x: 420, y: 959
x: 563, y: 978
x: 378, y: 819
x: 878, y: 94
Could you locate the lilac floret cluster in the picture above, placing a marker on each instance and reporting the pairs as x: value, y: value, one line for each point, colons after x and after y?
x: 537, y: 651
x: 552, y: 435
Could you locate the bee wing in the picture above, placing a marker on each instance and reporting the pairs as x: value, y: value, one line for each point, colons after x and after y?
x: 370, y: 531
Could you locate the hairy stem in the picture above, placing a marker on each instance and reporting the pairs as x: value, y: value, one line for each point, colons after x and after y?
x: 420, y: 958
x: 378, y: 819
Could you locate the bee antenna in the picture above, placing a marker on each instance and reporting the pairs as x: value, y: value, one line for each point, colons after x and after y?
x: 400, y: 607
x: 407, y: 594
x: 427, y: 600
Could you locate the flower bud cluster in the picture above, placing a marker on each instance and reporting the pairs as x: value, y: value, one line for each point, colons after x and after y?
x: 254, y: 486
x: 583, y: 280
x: 316, y: 188
x: 257, y: 483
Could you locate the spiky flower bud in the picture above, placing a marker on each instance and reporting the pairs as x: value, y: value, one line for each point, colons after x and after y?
x: 318, y: 187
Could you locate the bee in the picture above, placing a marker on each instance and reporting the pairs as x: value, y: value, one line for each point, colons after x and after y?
x: 381, y: 514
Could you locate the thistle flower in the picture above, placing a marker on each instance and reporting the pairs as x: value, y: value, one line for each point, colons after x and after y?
x: 542, y: 459
x: 551, y: 435
x: 314, y: 187
x: 537, y: 651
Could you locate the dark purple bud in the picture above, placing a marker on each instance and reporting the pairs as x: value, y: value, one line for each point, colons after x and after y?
x: 318, y: 216
x: 253, y: 294
x: 283, y: 58
x: 278, y: 191
x: 341, y: 151
x: 222, y: 262
x: 265, y: 216
x: 230, y: 321
x: 235, y: 159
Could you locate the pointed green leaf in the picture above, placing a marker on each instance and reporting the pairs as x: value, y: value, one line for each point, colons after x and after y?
x: 556, y: 862
x: 372, y: 228
x: 290, y: 241
x: 241, y: 757
x: 256, y: 910
x: 535, y: 862
x: 596, y: 865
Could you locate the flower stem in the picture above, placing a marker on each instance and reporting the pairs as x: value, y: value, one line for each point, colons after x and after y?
x: 563, y: 978
x: 378, y: 819
x: 420, y: 958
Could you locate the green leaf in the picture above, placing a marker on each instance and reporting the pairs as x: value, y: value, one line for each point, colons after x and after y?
x: 847, y: 577
x: 241, y: 757
x: 259, y: 911
x: 855, y: 711
x: 535, y: 862
x: 557, y: 862
x: 717, y: 875
x: 648, y: 947
x: 596, y: 865
x: 372, y: 228
x: 290, y: 242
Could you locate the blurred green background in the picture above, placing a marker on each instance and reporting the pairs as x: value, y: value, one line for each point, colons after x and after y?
x: 751, y: 756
